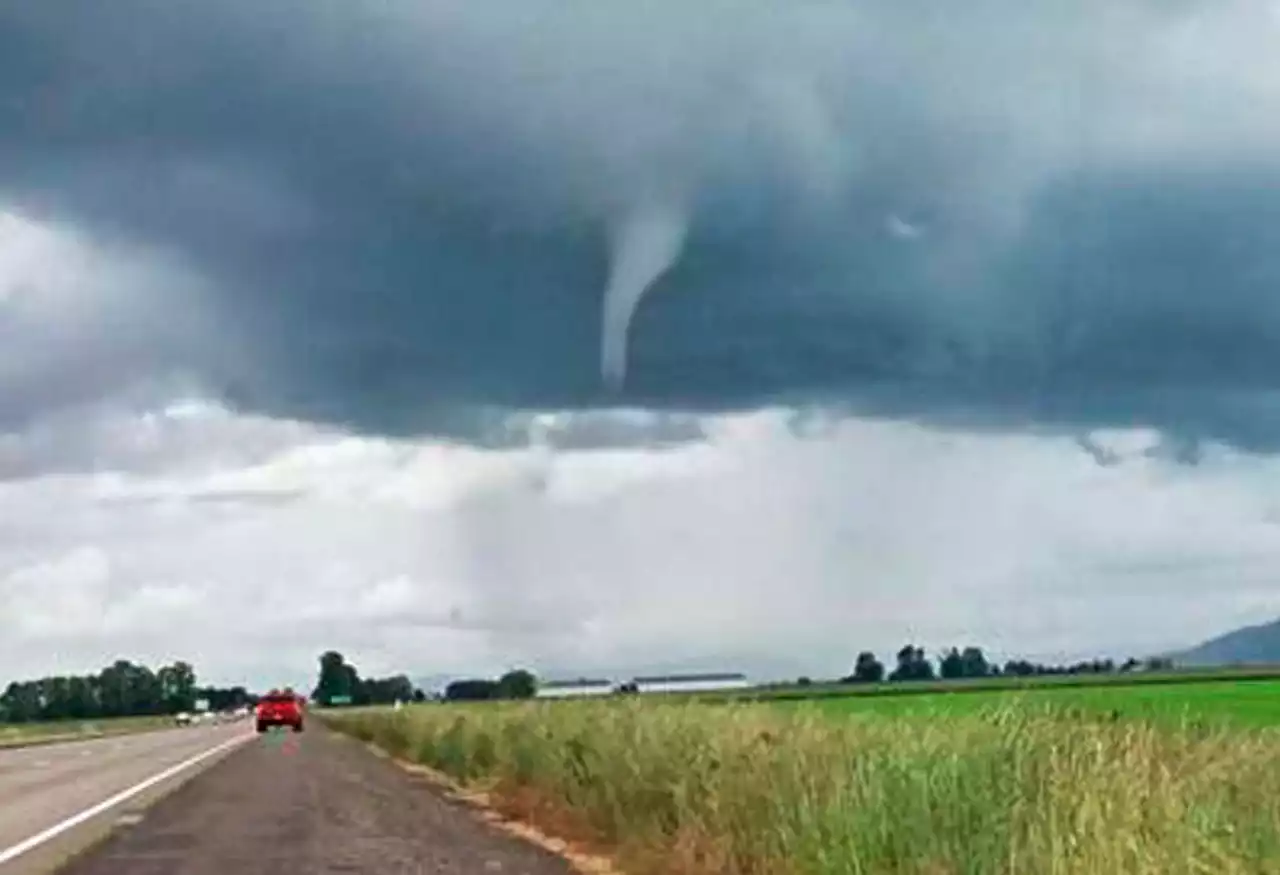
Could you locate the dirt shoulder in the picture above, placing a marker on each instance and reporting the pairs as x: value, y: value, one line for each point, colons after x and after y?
x: 311, y: 803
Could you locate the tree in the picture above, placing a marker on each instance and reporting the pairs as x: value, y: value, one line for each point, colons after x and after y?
x: 56, y: 695
x: 517, y: 684
x: 866, y: 669
x: 384, y: 691
x: 913, y: 665
x: 337, y: 679
x: 473, y: 690
x: 21, y: 702
x: 82, y: 703
x: 128, y: 689
x: 1019, y: 668
x: 178, y: 687
x: 951, y: 666
x: 974, y: 663
x: 967, y: 663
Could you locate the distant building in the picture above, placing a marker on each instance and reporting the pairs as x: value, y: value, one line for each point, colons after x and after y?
x: 574, y: 689
x: 690, y: 683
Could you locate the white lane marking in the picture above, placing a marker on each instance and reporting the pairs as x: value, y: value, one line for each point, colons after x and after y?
x: 15, y: 851
x: 41, y: 764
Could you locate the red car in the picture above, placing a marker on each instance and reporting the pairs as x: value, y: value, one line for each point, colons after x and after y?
x: 279, y: 708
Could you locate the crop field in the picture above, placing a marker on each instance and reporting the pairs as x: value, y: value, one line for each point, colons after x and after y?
x: 17, y: 734
x: 1229, y: 702
x: 1180, y: 677
x: 1125, y: 779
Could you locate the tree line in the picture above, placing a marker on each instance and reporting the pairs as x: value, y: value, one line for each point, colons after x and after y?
x: 129, y: 689
x: 340, y: 683
x: 516, y: 684
x: 122, y: 689
x: 911, y: 664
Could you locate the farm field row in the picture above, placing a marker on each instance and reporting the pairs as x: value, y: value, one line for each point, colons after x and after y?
x: 1160, y: 778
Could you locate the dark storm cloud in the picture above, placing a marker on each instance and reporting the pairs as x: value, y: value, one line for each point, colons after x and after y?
x: 1062, y: 213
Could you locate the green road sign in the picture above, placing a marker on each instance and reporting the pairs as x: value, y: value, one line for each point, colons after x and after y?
x: 339, y: 700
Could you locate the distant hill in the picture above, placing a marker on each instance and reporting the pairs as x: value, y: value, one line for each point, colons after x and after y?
x: 1249, y: 645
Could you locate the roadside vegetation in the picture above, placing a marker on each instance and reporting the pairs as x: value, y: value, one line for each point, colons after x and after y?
x: 1021, y: 785
x: 46, y: 732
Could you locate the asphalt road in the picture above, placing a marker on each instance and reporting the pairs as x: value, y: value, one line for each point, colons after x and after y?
x: 284, y: 802
x: 49, y: 794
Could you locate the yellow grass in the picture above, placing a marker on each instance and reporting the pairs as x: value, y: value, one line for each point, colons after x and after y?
x: 752, y: 789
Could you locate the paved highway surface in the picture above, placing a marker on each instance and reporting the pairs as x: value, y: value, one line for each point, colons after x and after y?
x: 294, y: 803
x: 50, y: 793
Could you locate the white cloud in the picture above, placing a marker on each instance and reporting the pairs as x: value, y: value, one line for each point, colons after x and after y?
x: 756, y: 547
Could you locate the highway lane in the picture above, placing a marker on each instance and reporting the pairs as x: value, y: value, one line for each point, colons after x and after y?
x: 43, y: 786
x: 310, y: 804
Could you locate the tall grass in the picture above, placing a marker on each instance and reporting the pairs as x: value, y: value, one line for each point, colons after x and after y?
x: 747, y: 789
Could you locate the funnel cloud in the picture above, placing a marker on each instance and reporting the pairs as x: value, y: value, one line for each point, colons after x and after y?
x: 402, y: 218
x: 645, y: 245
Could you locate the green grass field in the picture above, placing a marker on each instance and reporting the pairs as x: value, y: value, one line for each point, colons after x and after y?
x: 1230, y: 702
x: 1065, y: 779
x: 18, y: 734
x: 1179, y: 677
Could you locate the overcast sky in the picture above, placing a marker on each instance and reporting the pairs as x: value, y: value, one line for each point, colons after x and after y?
x: 600, y: 335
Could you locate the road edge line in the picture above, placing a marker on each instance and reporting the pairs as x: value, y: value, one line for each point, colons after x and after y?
x: 32, y: 842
